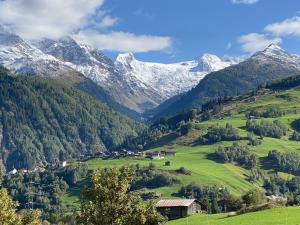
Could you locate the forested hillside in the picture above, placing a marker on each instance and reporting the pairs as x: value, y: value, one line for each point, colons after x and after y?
x: 232, y: 81
x: 42, y: 120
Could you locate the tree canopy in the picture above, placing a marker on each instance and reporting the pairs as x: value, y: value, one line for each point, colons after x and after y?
x: 109, y: 201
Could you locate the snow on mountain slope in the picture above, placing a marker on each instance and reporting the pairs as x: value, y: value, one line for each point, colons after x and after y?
x: 137, y: 85
x: 276, y: 54
x: 91, y: 62
x: 169, y: 79
x: 21, y: 57
x: 94, y: 65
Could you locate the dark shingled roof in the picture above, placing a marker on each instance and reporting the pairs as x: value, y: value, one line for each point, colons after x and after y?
x: 175, y: 203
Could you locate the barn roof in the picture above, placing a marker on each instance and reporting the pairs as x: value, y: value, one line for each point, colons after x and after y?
x: 175, y: 203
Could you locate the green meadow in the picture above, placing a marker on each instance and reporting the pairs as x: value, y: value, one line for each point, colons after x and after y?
x: 204, y: 170
x: 276, y: 216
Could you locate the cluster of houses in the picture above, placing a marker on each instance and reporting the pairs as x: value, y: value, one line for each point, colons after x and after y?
x: 129, y: 153
x: 104, y: 155
x: 160, y: 155
x: 41, y: 168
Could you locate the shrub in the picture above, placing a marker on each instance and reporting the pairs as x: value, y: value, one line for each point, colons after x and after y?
x: 216, y: 134
x: 275, y: 129
x: 184, y: 171
x: 236, y: 153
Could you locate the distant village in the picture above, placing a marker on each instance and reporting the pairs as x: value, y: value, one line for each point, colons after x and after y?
x: 157, y: 155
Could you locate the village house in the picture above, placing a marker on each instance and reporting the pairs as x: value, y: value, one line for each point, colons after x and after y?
x: 156, y: 156
x: 178, y: 208
x: 63, y: 164
x: 168, y: 152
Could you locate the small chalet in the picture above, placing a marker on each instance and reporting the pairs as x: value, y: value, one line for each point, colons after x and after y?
x: 168, y: 152
x: 178, y: 208
x: 156, y: 156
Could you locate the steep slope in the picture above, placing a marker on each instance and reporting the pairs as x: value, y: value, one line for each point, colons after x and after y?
x: 270, y: 64
x: 127, y: 85
x: 168, y: 80
x: 43, y: 121
x: 94, y: 65
x: 138, y: 85
x: 23, y: 58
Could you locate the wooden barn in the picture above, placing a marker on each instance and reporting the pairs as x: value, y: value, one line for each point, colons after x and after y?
x: 178, y: 208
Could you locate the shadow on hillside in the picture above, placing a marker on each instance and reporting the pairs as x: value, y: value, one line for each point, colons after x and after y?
x: 296, y: 125
x: 214, y: 157
x: 165, y: 140
x: 267, y: 164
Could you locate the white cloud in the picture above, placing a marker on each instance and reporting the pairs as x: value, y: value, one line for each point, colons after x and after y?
x: 254, y: 42
x: 249, y: 2
x: 124, y: 42
x: 107, y: 21
x: 37, y: 19
x: 34, y: 19
x: 287, y: 27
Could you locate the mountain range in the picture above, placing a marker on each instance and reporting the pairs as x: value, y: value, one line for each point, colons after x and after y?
x: 137, y: 88
x: 129, y: 85
x: 265, y: 66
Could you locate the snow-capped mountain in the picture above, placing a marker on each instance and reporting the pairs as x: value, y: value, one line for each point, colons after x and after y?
x: 168, y: 79
x: 19, y: 56
x: 272, y: 63
x: 276, y: 54
x: 91, y: 62
x: 138, y: 85
x: 94, y: 65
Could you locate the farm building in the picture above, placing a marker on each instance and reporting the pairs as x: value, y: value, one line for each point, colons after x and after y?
x: 178, y: 208
x: 156, y: 156
x: 168, y: 152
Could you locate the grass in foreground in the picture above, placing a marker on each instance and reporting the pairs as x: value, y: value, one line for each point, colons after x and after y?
x: 276, y: 216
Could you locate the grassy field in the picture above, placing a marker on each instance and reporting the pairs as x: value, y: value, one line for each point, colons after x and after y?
x: 204, y: 171
x: 195, y: 157
x: 276, y: 216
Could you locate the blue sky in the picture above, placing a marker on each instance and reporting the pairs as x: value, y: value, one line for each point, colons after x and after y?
x: 198, y: 26
x: 160, y: 30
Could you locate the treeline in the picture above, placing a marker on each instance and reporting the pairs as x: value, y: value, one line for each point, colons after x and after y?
x: 286, y: 162
x: 45, y: 121
x: 275, y: 129
x: 270, y: 112
x: 209, y: 196
x: 178, y: 124
x: 151, y: 177
x: 239, y: 154
x: 217, y: 134
x: 44, y: 191
x: 216, y: 199
x: 281, y: 187
x: 283, y: 84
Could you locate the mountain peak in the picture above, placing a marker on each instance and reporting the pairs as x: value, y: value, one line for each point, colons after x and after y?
x: 273, y: 50
x: 207, y: 57
x: 209, y: 63
x: 125, y: 58
x: 273, y: 47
